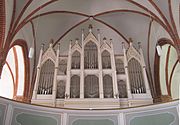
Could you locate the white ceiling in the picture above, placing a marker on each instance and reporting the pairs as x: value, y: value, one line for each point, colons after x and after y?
x: 130, y: 18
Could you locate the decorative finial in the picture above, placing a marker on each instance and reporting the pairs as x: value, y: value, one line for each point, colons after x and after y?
x: 139, y: 45
x: 98, y: 30
x: 76, y: 41
x: 42, y: 46
x: 123, y: 45
x: 130, y: 40
x: 58, y: 45
x: 99, y: 36
x: 51, y: 43
x: 104, y: 39
x: 70, y: 45
x: 110, y: 41
x: 82, y: 30
x: 71, y: 41
x: 90, y: 27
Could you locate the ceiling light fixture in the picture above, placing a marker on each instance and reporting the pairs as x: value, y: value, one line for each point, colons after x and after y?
x: 31, y: 50
x: 159, y: 50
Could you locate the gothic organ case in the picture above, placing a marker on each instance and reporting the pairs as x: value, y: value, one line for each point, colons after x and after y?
x: 91, y: 76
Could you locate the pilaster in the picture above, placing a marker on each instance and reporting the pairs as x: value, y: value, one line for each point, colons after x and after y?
x: 68, y: 73
x: 38, y: 74
x: 82, y: 68
x: 101, y: 93
x: 55, y: 77
x: 114, y: 75
x: 127, y: 74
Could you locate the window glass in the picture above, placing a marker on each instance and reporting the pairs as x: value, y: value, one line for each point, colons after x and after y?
x: 13, y: 74
x: 6, y: 83
x: 20, y: 70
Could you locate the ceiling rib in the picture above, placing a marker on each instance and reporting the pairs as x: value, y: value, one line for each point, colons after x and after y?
x: 31, y: 14
x: 114, y: 29
x: 162, y: 15
x: 172, y: 19
x: 69, y: 30
x: 21, y: 13
x: 167, y: 28
x: 171, y: 75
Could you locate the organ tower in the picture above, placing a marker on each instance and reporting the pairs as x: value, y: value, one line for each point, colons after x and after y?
x: 91, y: 75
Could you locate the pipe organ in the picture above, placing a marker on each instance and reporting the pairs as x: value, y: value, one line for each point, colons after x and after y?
x: 91, y: 76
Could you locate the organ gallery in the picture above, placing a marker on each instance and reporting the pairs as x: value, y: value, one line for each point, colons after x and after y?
x: 91, y: 75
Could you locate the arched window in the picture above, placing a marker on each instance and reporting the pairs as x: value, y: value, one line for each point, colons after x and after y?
x: 76, y: 57
x: 7, y: 82
x: 166, y: 70
x: 107, y: 86
x: 91, y: 86
x: 46, y: 78
x: 12, y: 82
x: 61, y: 89
x: 119, y: 66
x: 122, y: 89
x: 106, y: 60
x: 136, y: 77
x: 62, y: 67
x: 90, y: 56
x: 75, y: 87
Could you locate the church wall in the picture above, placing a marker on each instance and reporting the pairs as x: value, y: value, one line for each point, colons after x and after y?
x: 25, y: 114
x: 174, y: 69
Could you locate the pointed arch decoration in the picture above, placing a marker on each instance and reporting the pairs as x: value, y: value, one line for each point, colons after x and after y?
x: 122, y: 89
x: 75, y: 87
x: 119, y: 66
x: 46, y: 78
x: 136, y: 77
x: 91, y: 86
x: 76, y: 59
x: 106, y: 60
x: 61, y: 89
x: 90, y: 55
x: 108, y: 86
x: 62, y: 67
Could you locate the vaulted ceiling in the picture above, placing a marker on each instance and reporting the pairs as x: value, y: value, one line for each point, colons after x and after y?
x: 145, y: 21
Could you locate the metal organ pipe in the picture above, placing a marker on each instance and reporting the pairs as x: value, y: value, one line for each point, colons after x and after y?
x: 46, y: 78
x: 136, y: 77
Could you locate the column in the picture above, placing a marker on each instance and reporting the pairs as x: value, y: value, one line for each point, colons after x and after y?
x: 144, y: 72
x: 55, y: 77
x: 82, y: 68
x: 121, y: 119
x: 127, y: 74
x: 68, y: 74
x: 146, y: 81
x: 101, y: 93
x: 82, y: 85
x: 9, y: 115
x: 114, y: 75
x: 64, y: 119
x: 38, y: 73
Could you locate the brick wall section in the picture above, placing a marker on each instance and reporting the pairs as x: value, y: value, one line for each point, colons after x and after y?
x: 2, y: 21
x: 2, y: 33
